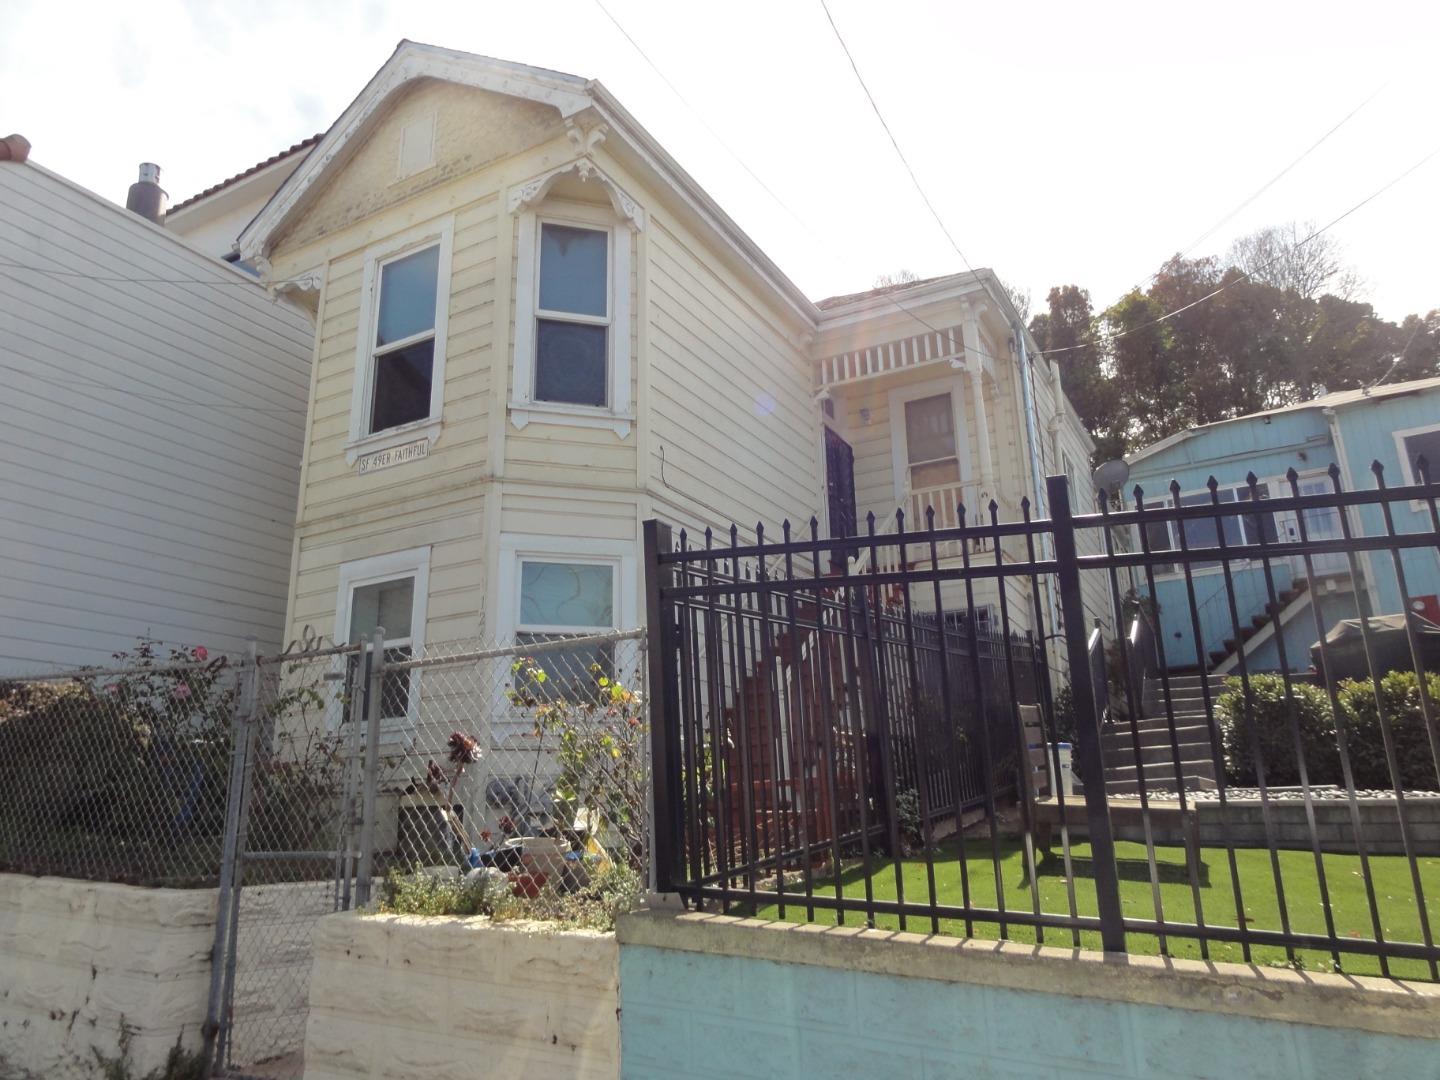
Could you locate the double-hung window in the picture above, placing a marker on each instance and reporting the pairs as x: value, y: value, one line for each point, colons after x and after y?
x: 400, y: 361
x: 561, y: 598
x: 561, y: 587
x: 402, y: 357
x: 930, y: 442
x: 572, y: 316
x: 927, y: 436
x: 389, y: 593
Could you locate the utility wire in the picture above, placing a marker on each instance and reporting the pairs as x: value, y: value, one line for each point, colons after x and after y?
x: 703, y: 122
x: 1278, y: 176
x: 1246, y: 275
x: 824, y: 241
x: 891, y: 135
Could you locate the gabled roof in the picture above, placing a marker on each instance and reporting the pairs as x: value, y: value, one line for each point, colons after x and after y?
x: 303, y: 144
x: 1338, y: 399
x: 569, y: 94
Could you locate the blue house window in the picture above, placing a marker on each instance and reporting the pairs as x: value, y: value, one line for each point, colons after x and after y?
x: 1200, y: 533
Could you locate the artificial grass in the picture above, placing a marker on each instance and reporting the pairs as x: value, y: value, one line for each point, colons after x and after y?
x: 1394, y: 895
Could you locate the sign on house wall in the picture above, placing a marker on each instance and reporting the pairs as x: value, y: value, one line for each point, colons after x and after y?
x: 394, y: 455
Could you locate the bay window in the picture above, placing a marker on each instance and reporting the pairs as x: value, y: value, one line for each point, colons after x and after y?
x: 400, y: 351
x: 572, y: 316
x: 555, y: 587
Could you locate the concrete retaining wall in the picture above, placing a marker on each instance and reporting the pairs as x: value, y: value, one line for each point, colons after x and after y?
x: 79, y: 959
x: 397, y: 996
x: 710, y: 996
x: 1378, y: 819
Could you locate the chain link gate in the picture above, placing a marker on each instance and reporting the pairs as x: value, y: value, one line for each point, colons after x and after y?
x: 290, y: 854
x: 354, y: 761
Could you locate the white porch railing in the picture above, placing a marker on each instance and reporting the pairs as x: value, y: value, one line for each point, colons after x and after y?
x: 946, y: 500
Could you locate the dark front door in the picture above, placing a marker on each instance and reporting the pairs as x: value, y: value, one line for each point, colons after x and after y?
x: 840, y: 487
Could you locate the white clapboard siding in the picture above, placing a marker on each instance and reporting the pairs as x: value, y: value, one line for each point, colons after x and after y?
x: 152, y: 412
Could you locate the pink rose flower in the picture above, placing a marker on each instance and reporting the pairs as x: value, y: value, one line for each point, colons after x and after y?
x: 112, y: 688
x: 201, y: 653
x: 180, y: 692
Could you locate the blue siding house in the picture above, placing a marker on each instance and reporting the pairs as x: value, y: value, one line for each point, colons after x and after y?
x: 1390, y: 424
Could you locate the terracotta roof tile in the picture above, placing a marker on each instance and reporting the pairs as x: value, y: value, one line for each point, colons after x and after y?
x: 304, y: 144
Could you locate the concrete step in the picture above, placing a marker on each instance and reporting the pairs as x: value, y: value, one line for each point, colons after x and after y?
x: 1186, y: 683
x: 1159, y: 723
x: 1116, y: 768
x: 1125, y: 780
x: 1118, y: 738
x: 1157, y: 753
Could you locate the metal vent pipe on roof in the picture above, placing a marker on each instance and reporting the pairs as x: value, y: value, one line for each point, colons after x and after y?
x: 147, y: 198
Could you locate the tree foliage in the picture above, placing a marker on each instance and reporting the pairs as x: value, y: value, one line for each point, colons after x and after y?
x: 1273, y: 323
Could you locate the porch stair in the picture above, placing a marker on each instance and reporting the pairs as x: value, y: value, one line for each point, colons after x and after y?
x: 1226, y: 658
x: 1151, y: 732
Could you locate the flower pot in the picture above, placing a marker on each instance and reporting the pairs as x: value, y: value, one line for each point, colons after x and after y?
x: 527, y: 885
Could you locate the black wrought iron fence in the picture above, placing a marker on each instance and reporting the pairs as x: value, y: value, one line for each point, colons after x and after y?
x: 938, y: 744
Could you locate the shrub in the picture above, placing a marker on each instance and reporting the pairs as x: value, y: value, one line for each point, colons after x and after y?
x: 121, y: 779
x: 1273, y: 711
x: 612, y: 892
x: 1400, y: 693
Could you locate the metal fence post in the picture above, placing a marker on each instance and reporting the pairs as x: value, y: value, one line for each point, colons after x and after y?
x: 374, y: 693
x: 1087, y: 719
x: 226, y: 904
x: 664, y: 708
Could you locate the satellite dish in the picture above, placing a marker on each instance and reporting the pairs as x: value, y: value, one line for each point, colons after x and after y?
x: 1111, y: 476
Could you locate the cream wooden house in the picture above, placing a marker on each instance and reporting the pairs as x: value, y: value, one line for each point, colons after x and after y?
x: 535, y: 331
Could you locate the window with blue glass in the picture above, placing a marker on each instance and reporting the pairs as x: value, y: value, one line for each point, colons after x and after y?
x: 402, y: 365
x: 561, y: 599
x: 572, y: 326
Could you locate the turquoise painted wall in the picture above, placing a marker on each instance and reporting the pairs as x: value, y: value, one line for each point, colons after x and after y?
x: 701, y: 1015
x: 1299, y: 439
x: 1368, y: 434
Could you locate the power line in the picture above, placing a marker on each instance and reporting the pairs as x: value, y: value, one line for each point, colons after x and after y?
x: 1247, y: 274
x: 889, y: 298
x: 1280, y: 175
x: 893, y: 141
x: 703, y: 122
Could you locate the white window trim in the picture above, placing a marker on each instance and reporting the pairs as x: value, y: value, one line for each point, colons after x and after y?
x: 899, y: 447
x: 1407, y: 467
x: 619, y: 414
x: 441, y: 232
x: 415, y: 563
x: 516, y: 547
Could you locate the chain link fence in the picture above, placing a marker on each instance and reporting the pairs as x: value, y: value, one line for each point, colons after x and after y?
x: 528, y: 761
x: 514, y: 776
x: 119, y: 774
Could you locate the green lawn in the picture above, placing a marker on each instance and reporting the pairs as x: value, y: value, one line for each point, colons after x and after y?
x: 1395, y: 897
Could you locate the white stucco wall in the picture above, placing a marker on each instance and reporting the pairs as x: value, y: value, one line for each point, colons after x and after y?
x: 80, y: 958
x: 397, y: 995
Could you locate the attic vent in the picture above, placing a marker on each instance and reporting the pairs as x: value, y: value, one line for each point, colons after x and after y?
x: 417, y: 146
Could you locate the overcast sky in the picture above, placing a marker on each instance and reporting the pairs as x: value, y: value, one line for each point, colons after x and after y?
x: 1061, y: 142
